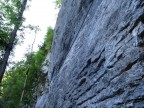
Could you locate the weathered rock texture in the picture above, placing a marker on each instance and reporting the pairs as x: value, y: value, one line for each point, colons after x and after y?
x: 97, y: 56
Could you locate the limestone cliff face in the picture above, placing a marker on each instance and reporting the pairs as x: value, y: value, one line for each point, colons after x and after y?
x: 97, y: 58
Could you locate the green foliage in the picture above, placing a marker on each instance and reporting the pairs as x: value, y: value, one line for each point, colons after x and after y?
x: 12, y: 85
x: 9, y: 18
x: 13, y: 81
x: 9, y: 10
x: 58, y: 3
x: 48, y: 39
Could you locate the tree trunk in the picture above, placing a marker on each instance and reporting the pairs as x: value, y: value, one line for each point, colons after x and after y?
x: 11, y: 41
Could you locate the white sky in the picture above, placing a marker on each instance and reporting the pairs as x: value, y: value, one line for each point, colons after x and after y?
x: 42, y: 13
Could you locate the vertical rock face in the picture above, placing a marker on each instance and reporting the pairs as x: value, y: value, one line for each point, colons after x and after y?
x: 97, y: 56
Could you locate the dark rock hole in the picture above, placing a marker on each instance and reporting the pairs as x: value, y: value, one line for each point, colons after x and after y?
x: 82, y: 82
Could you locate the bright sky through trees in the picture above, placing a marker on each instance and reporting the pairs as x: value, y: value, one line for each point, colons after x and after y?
x: 42, y: 13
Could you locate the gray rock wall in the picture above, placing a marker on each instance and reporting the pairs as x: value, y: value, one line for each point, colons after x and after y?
x: 97, y: 58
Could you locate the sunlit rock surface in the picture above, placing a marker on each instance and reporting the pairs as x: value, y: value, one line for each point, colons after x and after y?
x: 97, y: 58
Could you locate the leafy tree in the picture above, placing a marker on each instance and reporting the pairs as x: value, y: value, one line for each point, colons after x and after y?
x: 11, y: 12
x: 12, y: 85
x: 14, y: 11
